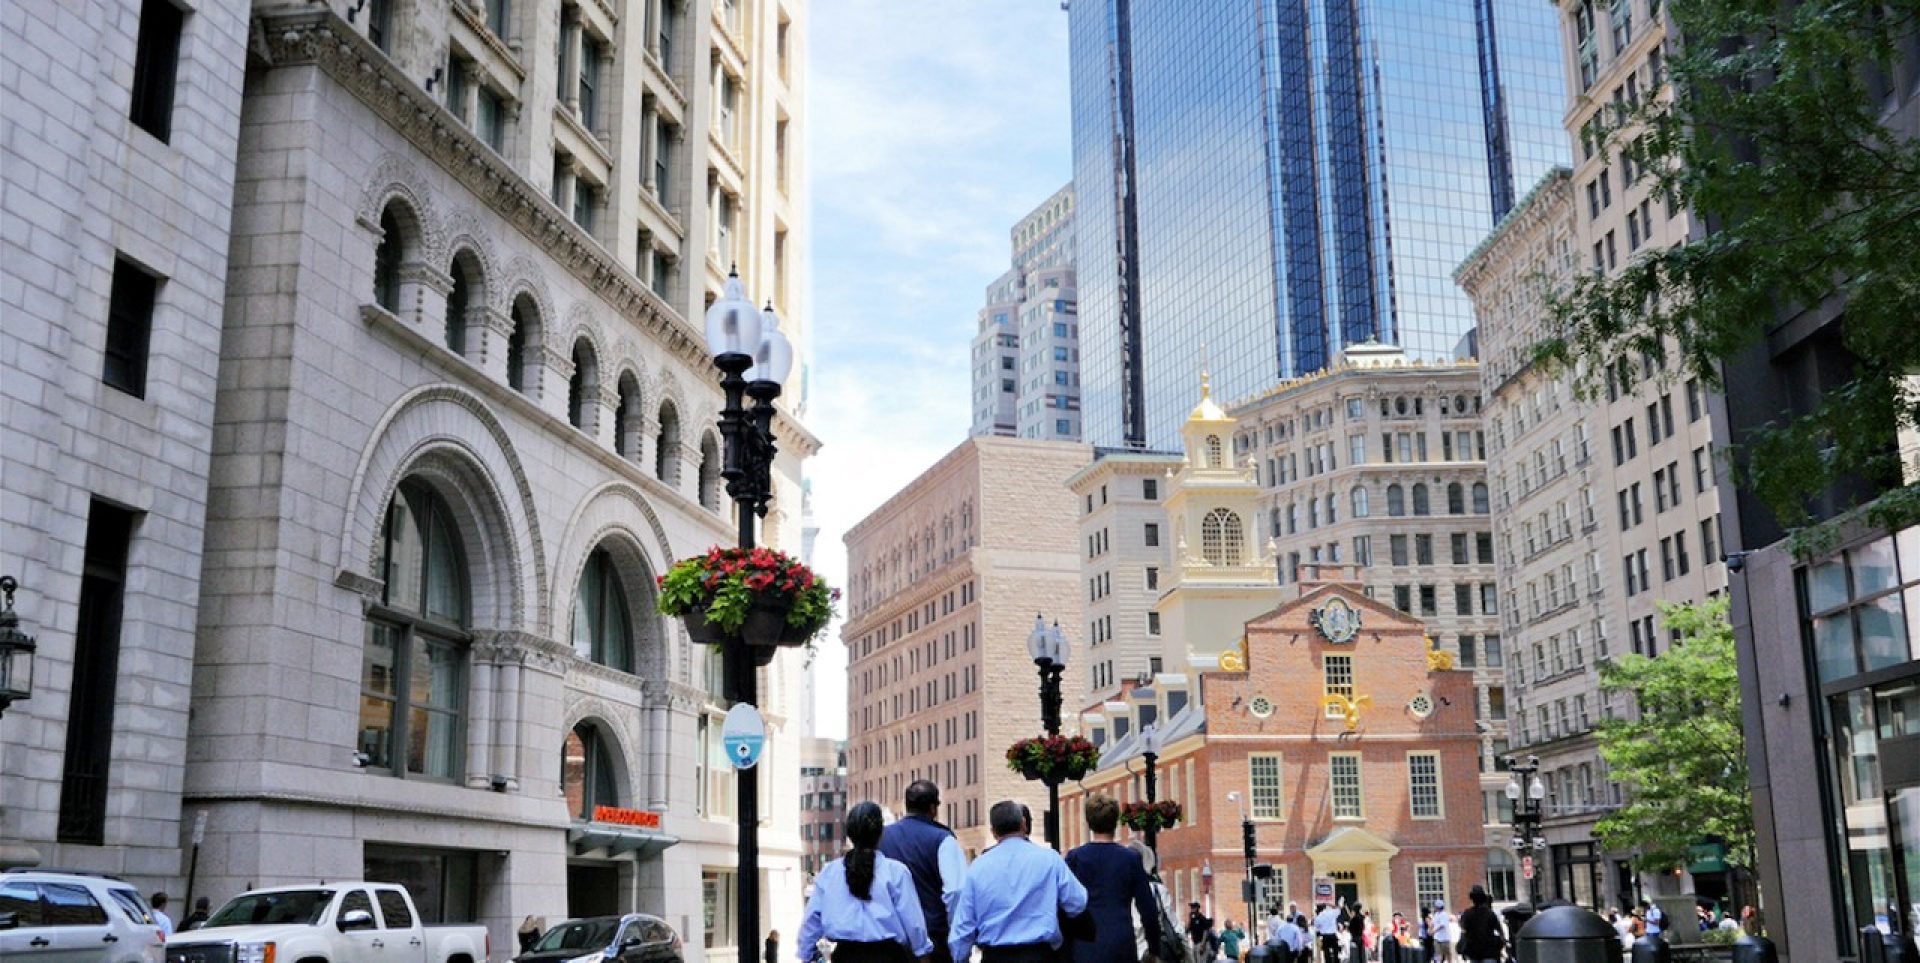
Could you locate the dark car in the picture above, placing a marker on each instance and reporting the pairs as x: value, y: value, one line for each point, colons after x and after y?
x: 633, y: 938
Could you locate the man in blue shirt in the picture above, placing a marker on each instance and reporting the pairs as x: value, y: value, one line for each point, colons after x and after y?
x: 929, y: 850
x: 1010, y: 904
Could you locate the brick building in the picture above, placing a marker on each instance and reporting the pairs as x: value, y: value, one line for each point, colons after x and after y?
x: 944, y: 580
x: 1370, y: 800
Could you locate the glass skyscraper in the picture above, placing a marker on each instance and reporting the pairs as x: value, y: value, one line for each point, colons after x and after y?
x: 1262, y: 182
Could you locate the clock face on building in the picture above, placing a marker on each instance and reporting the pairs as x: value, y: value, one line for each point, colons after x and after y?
x: 1336, y: 620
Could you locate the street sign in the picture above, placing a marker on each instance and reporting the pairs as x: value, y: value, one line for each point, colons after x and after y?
x: 200, y: 827
x: 1526, y: 867
x: 1323, y: 889
x: 744, y: 734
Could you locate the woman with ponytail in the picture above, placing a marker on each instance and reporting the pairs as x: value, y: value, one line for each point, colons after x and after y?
x: 865, y: 902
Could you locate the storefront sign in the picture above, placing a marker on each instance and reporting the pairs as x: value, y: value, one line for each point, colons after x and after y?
x: 638, y: 818
x: 1323, y: 889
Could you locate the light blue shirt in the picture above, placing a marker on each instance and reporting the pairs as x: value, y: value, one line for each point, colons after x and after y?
x: 953, y: 874
x: 1011, y: 897
x: 892, y: 912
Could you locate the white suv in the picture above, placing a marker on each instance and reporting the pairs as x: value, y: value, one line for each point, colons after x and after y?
x: 56, y: 917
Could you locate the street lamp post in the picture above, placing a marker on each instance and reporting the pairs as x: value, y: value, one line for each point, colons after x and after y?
x: 1526, y: 819
x: 16, y: 650
x: 1150, y: 751
x: 1048, y: 646
x: 754, y: 359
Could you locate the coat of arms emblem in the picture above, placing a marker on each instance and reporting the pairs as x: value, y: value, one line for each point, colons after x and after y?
x: 1336, y: 620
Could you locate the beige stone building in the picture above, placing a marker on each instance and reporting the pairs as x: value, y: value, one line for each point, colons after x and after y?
x: 1125, y: 552
x: 455, y: 414
x: 1379, y: 463
x: 946, y: 577
x: 1602, y: 509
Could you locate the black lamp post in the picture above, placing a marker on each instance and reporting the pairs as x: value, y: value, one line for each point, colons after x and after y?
x: 1526, y: 819
x: 16, y: 650
x: 1048, y: 646
x: 1150, y: 751
x: 754, y: 358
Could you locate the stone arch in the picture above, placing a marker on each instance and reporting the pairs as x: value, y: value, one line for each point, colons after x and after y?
x: 666, y: 448
x: 622, y: 742
x: 463, y: 232
x: 605, y: 518
x: 709, y: 479
x: 629, y: 414
x: 396, y: 177
x: 447, y: 436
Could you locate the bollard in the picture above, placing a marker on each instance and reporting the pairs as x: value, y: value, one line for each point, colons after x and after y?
x: 1260, y: 953
x: 1651, y: 949
x: 1567, y: 934
x: 1754, y: 949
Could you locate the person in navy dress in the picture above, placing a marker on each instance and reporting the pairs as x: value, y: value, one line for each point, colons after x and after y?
x: 1117, y: 887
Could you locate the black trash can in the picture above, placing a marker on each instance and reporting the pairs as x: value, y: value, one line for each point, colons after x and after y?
x: 1261, y: 953
x: 1651, y: 948
x: 1516, y: 916
x: 1567, y: 934
x: 1754, y: 949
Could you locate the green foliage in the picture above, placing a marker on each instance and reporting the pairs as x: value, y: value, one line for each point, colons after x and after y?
x: 1682, y: 760
x: 725, y: 582
x: 1773, y: 137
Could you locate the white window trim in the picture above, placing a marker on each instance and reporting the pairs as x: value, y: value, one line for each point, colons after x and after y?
x: 1279, y: 789
x: 1439, y: 795
x: 1360, y: 785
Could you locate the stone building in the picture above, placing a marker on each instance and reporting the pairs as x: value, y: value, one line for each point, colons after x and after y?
x: 121, y: 122
x: 823, y: 803
x: 1026, y: 353
x: 1125, y: 555
x: 462, y: 417
x: 945, y: 579
x: 1604, y: 507
x: 1378, y: 463
x: 1341, y: 738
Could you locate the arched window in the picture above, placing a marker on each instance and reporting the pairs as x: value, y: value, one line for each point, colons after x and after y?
x: 587, y: 772
x: 1500, y: 883
x: 666, y: 448
x: 1222, y: 542
x: 1456, y: 499
x: 583, y: 388
x: 1396, y: 501
x: 1215, y: 457
x: 601, y: 630
x: 1360, y: 509
x: 626, y: 417
x: 388, y: 255
x: 710, y: 473
x: 460, y: 300
x: 523, y: 372
x: 1480, y: 498
x: 1421, y: 506
x: 413, y: 670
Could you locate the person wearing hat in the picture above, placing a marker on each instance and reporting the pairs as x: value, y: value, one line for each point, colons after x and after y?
x: 1443, y: 931
x: 1480, y: 938
x: 1199, y: 925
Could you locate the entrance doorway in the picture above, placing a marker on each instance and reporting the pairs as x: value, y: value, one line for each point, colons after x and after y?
x: 1344, y: 892
x: 593, y: 889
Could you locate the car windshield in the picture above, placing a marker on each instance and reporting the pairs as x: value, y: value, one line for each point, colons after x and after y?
x: 302, y: 906
x: 579, y: 935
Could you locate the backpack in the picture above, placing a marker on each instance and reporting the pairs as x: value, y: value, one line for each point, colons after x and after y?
x: 1173, y: 946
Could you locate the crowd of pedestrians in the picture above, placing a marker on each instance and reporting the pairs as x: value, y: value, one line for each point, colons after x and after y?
x: 904, y: 892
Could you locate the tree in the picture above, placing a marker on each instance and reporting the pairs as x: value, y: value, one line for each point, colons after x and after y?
x: 1682, y: 759
x: 1771, y: 133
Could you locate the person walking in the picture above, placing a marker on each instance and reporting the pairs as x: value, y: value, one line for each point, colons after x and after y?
x: 1293, y: 936
x: 771, y: 952
x: 202, y: 908
x: 1357, y: 933
x: 865, y: 902
x: 933, y: 855
x: 159, y: 903
x: 1655, y: 916
x: 1117, y: 887
x: 1326, y: 929
x: 1480, y: 938
x: 1443, y: 931
x: 1011, y: 901
x: 1198, y: 926
x: 1230, y: 938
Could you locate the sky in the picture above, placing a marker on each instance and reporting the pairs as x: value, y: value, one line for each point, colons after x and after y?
x: 933, y: 126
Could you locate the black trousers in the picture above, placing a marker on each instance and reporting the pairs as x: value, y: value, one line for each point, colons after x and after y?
x: 1020, y: 953
x: 850, y: 951
x: 1329, y: 948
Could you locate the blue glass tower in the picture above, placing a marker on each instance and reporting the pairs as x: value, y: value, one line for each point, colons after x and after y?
x: 1267, y: 181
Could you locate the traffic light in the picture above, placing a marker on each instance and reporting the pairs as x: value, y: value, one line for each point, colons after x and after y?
x: 1246, y: 838
x: 1263, y: 871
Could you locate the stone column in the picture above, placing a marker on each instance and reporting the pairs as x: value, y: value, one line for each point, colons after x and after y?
x: 506, y: 744
x: 644, y: 447
x: 423, y: 298
x: 556, y: 368
x: 600, y: 409
x: 480, y: 722
x: 563, y: 178
x: 470, y: 102
x: 570, y: 52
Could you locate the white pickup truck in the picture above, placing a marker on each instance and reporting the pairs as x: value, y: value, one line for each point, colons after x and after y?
x: 334, y: 923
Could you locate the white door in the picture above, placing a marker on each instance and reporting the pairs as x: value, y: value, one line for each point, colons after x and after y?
x: 368, y: 943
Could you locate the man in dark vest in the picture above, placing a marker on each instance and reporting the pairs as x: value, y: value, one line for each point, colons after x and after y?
x: 933, y: 855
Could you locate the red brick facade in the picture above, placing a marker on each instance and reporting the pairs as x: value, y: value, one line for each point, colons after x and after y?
x: 1274, y: 709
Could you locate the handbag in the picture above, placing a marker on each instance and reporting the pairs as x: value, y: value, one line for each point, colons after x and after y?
x: 1173, y: 946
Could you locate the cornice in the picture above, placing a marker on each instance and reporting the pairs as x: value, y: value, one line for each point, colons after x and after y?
x: 320, y: 38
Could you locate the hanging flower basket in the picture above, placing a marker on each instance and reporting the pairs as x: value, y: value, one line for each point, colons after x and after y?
x: 762, y: 597
x: 1143, y: 816
x: 1053, y: 758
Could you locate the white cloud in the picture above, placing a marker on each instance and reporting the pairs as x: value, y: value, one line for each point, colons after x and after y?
x: 933, y: 127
